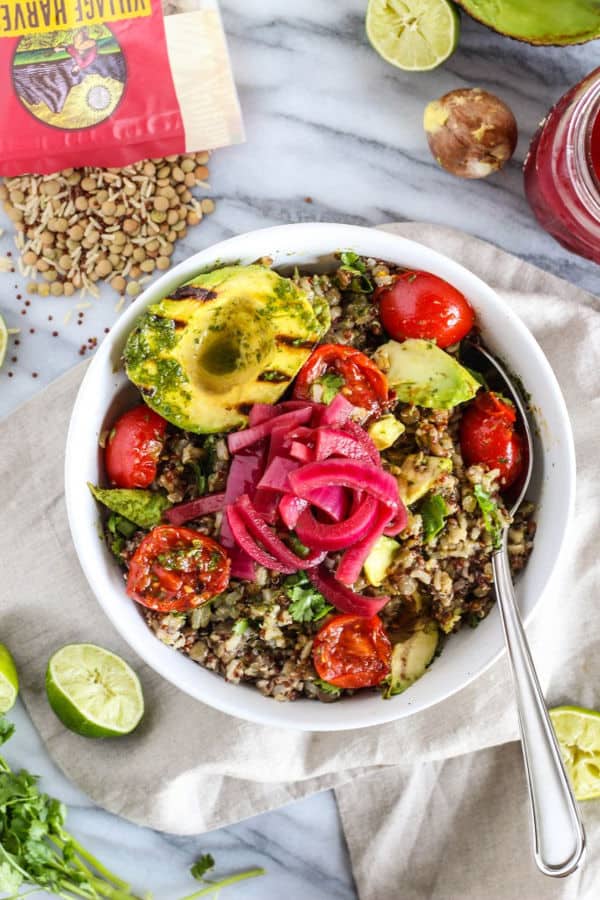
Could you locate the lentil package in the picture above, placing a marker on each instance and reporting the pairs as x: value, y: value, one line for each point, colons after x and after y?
x: 109, y: 82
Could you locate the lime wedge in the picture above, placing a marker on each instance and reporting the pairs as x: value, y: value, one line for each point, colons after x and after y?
x: 9, y: 680
x: 578, y: 733
x: 93, y: 691
x: 416, y: 35
x: 3, y: 340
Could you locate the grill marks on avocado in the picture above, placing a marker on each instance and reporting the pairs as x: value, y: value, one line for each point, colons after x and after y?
x: 288, y: 341
x: 192, y: 292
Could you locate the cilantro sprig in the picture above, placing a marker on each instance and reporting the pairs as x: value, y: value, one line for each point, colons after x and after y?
x: 307, y: 603
x: 35, y: 847
x: 36, y: 850
x: 434, y: 512
x: 492, y: 520
x: 353, y: 264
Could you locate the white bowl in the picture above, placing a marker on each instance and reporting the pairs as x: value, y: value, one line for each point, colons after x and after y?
x: 105, y: 392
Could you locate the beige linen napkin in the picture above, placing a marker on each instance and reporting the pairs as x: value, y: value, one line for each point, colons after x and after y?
x: 190, y: 768
x: 458, y: 828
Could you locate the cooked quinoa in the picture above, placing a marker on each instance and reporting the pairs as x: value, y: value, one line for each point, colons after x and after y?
x: 247, y: 634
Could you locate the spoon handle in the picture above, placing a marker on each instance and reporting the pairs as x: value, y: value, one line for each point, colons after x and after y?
x: 559, y: 838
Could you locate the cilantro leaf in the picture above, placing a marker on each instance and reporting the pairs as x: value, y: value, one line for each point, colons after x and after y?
x: 492, y: 520
x: 352, y: 263
x: 10, y: 878
x: 332, y: 383
x: 202, y: 866
x: 434, y: 511
x: 7, y: 729
x: 240, y: 626
x: 327, y: 688
x: 307, y: 603
x: 201, y: 483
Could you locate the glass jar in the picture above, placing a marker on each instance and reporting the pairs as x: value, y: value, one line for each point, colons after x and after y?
x: 562, y: 169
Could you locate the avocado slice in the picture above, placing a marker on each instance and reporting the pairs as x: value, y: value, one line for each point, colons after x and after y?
x: 379, y: 560
x: 220, y: 343
x: 411, y: 657
x: 418, y: 474
x: 385, y: 431
x: 143, y: 508
x: 537, y: 21
x: 422, y: 374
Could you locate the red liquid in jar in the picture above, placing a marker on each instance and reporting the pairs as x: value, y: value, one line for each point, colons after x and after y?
x: 594, y: 148
x: 562, y: 170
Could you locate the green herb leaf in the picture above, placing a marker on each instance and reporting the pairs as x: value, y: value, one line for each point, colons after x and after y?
x: 361, y: 283
x: 145, y: 508
x: 307, y: 603
x: 35, y: 848
x: 297, y: 546
x: 201, y: 483
x: 7, y: 729
x: 327, y: 688
x: 332, y: 383
x: 352, y: 262
x: 202, y: 866
x: 240, y: 627
x: 492, y: 520
x: 434, y: 511
x: 10, y: 878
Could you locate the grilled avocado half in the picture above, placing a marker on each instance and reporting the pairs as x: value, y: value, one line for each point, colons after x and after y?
x: 220, y: 343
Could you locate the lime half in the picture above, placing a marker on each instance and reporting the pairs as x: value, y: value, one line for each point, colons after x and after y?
x: 416, y: 35
x: 93, y: 691
x: 3, y: 340
x: 578, y: 733
x: 9, y: 680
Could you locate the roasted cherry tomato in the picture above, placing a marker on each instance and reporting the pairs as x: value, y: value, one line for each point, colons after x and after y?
x: 352, y: 652
x: 335, y: 367
x: 133, y: 448
x: 176, y: 569
x: 421, y: 305
x: 488, y: 435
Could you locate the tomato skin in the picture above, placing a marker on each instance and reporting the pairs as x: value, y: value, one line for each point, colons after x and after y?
x: 488, y: 435
x: 169, y: 561
x: 352, y: 651
x: 421, y: 305
x: 134, y: 446
x: 365, y: 384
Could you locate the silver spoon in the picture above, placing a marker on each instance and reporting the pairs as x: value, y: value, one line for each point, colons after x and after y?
x: 559, y: 838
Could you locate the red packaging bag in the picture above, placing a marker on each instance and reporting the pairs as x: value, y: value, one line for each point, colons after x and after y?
x: 109, y: 82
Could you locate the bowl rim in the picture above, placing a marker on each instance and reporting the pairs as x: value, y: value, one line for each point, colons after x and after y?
x: 232, y: 248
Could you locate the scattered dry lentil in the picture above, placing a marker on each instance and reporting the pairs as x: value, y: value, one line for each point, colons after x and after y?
x: 76, y: 227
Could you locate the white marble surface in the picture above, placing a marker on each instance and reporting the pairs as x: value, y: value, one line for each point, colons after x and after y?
x: 326, y: 119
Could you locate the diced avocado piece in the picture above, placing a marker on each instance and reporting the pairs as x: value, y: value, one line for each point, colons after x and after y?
x: 537, y: 21
x: 411, y: 657
x: 422, y: 374
x: 220, y: 343
x: 380, y: 559
x: 385, y: 431
x: 144, y: 508
x: 419, y: 473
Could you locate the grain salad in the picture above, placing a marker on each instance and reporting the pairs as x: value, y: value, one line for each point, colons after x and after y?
x: 361, y: 394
